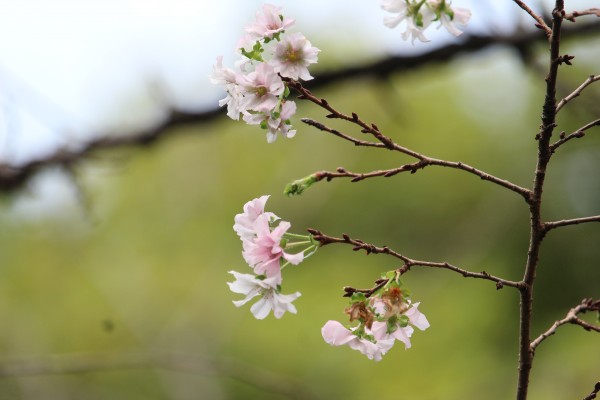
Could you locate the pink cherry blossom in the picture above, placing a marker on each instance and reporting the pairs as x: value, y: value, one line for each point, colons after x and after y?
x: 244, y: 222
x: 264, y: 252
x: 261, y: 88
x: 336, y: 334
x: 402, y: 334
x: 251, y: 286
x: 269, y: 22
x: 293, y: 55
x: 275, y: 126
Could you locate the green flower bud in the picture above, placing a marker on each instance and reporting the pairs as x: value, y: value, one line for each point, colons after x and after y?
x: 300, y: 185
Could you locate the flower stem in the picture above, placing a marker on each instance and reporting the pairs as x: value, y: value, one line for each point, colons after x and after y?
x: 296, y: 244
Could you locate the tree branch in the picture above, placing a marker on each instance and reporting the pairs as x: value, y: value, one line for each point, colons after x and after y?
x: 579, y: 133
x: 591, y: 79
x: 357, y: 244
x: 570, y: 318
x: 537, y: 230
x: 387, y: 143
x: 541, y: 24
x: 575, y: 221
x: 594, y: 392
x: 591, y: 11
x: 324, y: 128
x: 14, y: 177
x: 179, y: 362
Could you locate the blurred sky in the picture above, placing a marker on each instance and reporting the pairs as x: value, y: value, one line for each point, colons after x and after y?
x: 71, y: 70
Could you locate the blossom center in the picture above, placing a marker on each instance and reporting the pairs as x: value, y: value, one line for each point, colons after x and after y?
x: 292, y: 55
x: 261, y: 91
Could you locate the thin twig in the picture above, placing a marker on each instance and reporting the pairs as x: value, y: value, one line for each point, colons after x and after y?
x: 591, y: 11
x: 579, y: 133
x: 324, y: 128
x: 570, y: 318
x: 540, y: 21
x: 594, y: 392
x: 386, y: 142
x: 591, y: 79
x: 372, y: 129
x: 357, y: 244
x: 379, y: 283
x: 566, y: 222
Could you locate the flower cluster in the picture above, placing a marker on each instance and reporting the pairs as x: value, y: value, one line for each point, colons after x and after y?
x: 386, y: 316
x: 266, y: 241
x: 419, y: 14
x: 257, y: 89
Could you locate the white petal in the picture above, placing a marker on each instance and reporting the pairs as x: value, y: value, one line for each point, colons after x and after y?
x: 243, y: 284
x: 417, y: 318
x: 261, y: 308
x: 403, y: 335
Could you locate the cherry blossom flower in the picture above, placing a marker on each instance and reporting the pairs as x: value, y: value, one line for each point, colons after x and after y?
x: 269, y: 23
x: 264, y: 252
x: 261, y: 88
x: 336, y: 334
x: 293, y: 55
x: 250, y: 286
x: 418, y: 17
x: 229, y: 79
x: 459, y: 15
x: 402, y: 334
x: 414, y: 32
x: 244, y: 222
x: 394, y: 327
x: 275, y: 125
x: 399, y: 7
x: 420, y: 14
x: 256, y: 89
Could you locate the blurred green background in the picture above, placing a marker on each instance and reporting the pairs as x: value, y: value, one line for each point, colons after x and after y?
x: 135, y: 275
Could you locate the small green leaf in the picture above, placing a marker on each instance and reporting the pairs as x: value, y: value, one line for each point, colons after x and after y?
x: 358, y: 297
x: 403, y: 321
x: 389, y: 275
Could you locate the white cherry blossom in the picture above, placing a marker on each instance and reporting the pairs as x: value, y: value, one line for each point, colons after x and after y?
x: 250, y: 286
